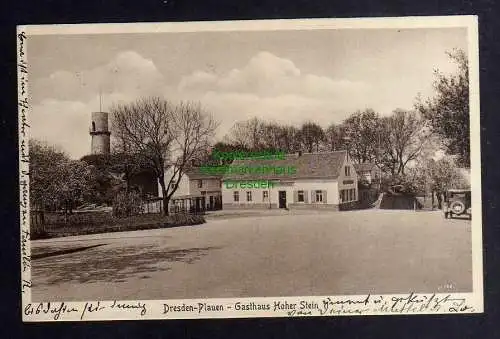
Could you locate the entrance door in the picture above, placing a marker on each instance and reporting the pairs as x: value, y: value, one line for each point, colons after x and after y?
x: 211, y: 203
x: 282, y: 199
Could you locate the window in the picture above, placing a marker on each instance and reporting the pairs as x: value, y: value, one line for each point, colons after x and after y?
x: 200, y: 183
x: 265, y: 195
x: 300, y: 196
x: 347, y: 171
x: 249, y: 196
x: 236, y: 196
x: 93, y: 126
x: 319, y: 196
x: 348, y: 195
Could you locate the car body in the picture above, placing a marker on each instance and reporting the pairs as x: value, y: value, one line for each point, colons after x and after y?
x: 457, y: 202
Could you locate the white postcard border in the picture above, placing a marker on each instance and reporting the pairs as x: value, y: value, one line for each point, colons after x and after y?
x: 410, y: 303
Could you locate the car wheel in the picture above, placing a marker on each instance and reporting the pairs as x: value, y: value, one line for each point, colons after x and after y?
x: 457, y: 207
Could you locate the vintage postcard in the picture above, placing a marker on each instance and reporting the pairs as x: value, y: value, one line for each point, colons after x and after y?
x: 277, y: 168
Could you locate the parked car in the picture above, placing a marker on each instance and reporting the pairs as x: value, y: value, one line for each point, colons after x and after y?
x: 457, y: 202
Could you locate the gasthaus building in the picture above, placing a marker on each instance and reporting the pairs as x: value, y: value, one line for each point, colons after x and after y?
x: 300, y: 180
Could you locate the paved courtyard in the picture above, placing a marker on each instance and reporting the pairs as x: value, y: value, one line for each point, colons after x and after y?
x: 285, y: 254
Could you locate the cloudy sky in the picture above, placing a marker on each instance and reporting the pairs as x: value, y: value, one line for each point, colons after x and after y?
x: 284, y: 76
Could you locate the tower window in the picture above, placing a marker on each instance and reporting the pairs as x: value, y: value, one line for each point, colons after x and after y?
x: 93, y: 126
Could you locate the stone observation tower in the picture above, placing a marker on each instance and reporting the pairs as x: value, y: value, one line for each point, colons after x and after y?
x: 100, y: 133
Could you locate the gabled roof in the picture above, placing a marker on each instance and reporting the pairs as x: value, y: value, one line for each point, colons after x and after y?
x: 307, y: 166
x: 196, y: 173
x: 364, y: 167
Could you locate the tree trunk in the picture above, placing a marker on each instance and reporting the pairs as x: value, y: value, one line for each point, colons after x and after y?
x: 161, y: 180
x: 165, y: 203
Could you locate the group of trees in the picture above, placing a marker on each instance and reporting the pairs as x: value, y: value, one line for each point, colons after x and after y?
x: 448, y: 111
x: 154, y: 134
x: 405, y: 139
x: 151, y: 134
x: 56, y: 181
x: 392, y: 141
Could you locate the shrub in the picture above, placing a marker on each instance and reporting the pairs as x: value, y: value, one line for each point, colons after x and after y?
x: 126, y: 204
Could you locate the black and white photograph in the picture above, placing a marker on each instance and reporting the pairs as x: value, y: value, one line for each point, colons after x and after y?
x: 273, y: 168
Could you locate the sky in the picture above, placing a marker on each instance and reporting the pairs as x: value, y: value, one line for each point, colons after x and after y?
x: 284, y: 76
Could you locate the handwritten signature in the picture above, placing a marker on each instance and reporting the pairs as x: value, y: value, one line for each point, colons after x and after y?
x: 403, y: 304
x: 58, y: 310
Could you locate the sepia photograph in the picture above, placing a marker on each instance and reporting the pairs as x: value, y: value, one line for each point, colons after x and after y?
x: 251, y: 168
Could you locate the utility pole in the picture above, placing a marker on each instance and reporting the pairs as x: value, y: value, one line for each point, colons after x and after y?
x: 347, y: 138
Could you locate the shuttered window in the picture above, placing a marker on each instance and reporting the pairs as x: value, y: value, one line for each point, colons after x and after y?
x: 300, y: 196
x: 249, y: 196
x: 236, y: 196
x: 318, y: 196
x: 265, y: 195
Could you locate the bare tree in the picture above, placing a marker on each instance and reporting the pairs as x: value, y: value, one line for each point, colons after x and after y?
x: 362, y: 127
x: 247, y: 134
x: 311, y: 135
x: 403, y: 136
x: 165, y: 135
x: 335, y: 138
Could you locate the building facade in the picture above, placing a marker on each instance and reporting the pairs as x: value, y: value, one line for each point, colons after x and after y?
x: 318, y: 181
x: 196, y: 190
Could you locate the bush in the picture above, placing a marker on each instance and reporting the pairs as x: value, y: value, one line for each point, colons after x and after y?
x: 100, y: 222
x: 126, y: 204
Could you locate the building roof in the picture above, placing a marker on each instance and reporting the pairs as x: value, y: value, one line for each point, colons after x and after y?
x: 307, y: 166
x: 196, y: 173
x: 187, y: 196
x: 364, y: 167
